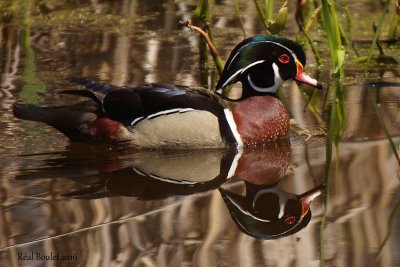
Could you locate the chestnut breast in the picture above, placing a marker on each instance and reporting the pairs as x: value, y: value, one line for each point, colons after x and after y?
x: 260, y: 119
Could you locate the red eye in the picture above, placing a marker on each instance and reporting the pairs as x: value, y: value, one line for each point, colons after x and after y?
x: 290, y: 220
x: 284, y: 58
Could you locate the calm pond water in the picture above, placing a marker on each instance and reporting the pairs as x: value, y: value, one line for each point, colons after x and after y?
x: 69, y: 204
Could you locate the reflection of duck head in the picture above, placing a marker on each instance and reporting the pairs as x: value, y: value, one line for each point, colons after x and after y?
x: 266, y: 212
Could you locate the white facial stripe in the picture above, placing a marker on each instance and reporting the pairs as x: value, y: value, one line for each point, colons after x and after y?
x: 291, y: 52
x: 278, y: 79
x: 272, y: 89
x: 241, y: 71
x: 232, y: 125
x: 282, y: 204
x: 261, y: 89
x: 282, y: 200
x: 247, y: 212
x: 277, y: 82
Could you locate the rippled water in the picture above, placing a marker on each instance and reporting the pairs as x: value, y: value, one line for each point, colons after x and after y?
x: 69, y: 204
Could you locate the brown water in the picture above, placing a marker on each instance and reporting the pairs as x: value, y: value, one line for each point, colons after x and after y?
x: 68, y: 204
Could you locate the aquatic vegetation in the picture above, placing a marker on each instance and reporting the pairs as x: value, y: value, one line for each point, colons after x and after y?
x: 273, y: 24
x: 106, y: 44
x: 202, y: 13
x: 377, y: 33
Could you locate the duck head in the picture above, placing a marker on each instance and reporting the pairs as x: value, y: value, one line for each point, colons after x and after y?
x: 262, y: 63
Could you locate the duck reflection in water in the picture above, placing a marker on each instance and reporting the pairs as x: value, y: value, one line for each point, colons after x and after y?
x: 263, y: 212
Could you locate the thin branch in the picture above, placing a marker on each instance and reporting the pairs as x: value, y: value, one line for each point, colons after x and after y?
x: 211, y: 46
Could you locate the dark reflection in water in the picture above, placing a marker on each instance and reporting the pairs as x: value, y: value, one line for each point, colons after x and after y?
x: 60, y: 197
x: 265, y: 212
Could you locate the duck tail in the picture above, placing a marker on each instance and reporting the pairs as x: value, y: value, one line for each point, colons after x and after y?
x: 73, y: 114
x: 33, y: 112
x: 66, y: 119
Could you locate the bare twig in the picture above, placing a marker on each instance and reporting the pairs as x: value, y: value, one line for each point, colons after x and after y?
x: 214, y: 53
x: 189, y: 25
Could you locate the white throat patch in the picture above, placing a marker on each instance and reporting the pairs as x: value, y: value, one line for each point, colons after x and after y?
x: 277, y: 82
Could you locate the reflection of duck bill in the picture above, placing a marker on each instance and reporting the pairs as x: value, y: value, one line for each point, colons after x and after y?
x: 269, y: 213
x: 307, y: 197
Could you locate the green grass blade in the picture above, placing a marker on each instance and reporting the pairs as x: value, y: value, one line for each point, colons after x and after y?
x: 332, y: 28
x: 269, y: 9
x: 383, y: 125
x: 394, y: 26
x: 202, y: 10
x: 278, y: 24
x: 377, y: 33
x: 32, y: 84
x: 237, y: 10
x: 391, y: 219
x: 261, y: 15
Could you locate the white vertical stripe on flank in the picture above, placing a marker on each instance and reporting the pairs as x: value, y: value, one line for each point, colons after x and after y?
x: 232, y: 125
x: 232, y: 169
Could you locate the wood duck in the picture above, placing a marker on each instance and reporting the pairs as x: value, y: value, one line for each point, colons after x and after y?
x: 170, y: 116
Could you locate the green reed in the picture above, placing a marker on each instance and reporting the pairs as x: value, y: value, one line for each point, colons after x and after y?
x: 382, y: 124
x: 334, y: 34
x: 377, y: 34
x: 391, y: 220
x: 306, y: 29
x: 237, y: 10
x: 335, y: 101
x: 273, y: 24
x: 202, y: 13
x: 336, y: 123
x: 370, y: 56
x: 32, y: 84
x: 395, y: 21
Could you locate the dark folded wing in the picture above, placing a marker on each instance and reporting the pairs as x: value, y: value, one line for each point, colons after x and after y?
x: 129, y: 103
x: 132, y: 104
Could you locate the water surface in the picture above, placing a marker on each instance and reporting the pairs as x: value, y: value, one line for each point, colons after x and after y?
x: 112, y: 205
